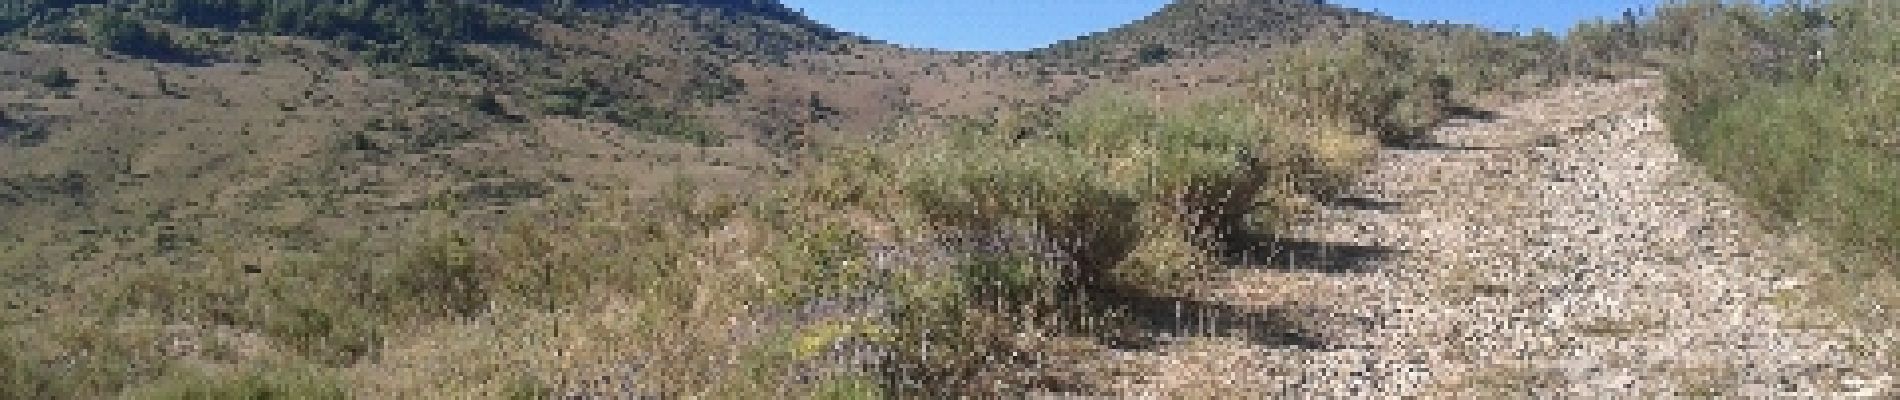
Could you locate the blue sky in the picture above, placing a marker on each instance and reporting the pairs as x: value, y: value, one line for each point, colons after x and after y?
x: 1025, y: 24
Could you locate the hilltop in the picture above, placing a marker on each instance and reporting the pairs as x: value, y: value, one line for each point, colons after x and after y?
x: 1211, y: 26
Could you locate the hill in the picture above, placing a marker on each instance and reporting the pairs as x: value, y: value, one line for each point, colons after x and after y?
x: 724, y: 198
x: 1184, y: 28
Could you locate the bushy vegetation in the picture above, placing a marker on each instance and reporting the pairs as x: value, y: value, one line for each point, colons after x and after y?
x: 1114, y: 198
x: 291, y: 382
x: 1374, y: 80
x: 481, y: 51
x: 929, y: 253
x: 631, y: 112
x: 1794, y: 106
x: 1399, y: 84
x: 408, y: 31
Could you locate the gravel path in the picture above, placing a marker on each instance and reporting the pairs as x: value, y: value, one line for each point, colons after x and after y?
x: 1562, y: 250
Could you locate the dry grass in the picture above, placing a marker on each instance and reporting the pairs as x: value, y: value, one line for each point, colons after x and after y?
x: 695, y: 290
x: 340, y: 233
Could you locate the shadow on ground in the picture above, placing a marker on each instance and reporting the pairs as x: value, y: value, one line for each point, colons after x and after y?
x: 1293, y: 255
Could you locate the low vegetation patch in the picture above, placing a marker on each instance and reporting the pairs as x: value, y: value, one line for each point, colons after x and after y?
x: 1113, y: 197
x: 903, y: 268
x: 1794, y: 107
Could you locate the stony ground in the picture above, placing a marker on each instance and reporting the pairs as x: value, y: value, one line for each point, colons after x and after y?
x: 1563, y: 249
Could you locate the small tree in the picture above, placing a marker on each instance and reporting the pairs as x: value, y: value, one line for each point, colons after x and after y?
x: 1154, y: 53
x: 111, y: 31
x: 56, y: 78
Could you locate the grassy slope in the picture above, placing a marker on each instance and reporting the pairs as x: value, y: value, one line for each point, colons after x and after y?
x: 1795, y: 108
x: 357, y: 244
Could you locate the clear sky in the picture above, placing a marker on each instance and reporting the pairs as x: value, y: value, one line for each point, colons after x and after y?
x: 1026, y: 24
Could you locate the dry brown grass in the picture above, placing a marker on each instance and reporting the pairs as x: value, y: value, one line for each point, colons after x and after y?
x: 343, y: 226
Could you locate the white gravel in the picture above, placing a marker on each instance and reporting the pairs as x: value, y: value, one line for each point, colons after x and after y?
x: 1605, y: 266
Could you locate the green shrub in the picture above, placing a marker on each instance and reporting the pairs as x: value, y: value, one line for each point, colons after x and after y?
x: 116, y: 32
x: 327, y: 330
x: 1374, y: 79
x: 1047, y: 190
x: 1810, y: 154
x: 824, y: 261
x: 849, y: 388
x: 441, y: 277
x: 81, y: 357
x: 1173, y: 148
x: 1794, y: 107
x: 945, y: 329
x: 1110, y: 175
x: 526, y: 387
x: 293, y: 382
x: 1111, y: 196
x: 55, y: 78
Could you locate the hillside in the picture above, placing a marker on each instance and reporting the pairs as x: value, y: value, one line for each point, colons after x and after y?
x: 726, y: 199
x: 1185, y: 28
x: 321, y: 117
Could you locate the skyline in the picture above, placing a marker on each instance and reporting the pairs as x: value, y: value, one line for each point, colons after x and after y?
x: 1000, y: 25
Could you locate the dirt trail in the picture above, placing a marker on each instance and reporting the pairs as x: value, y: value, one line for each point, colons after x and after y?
x: 1563, y: 249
